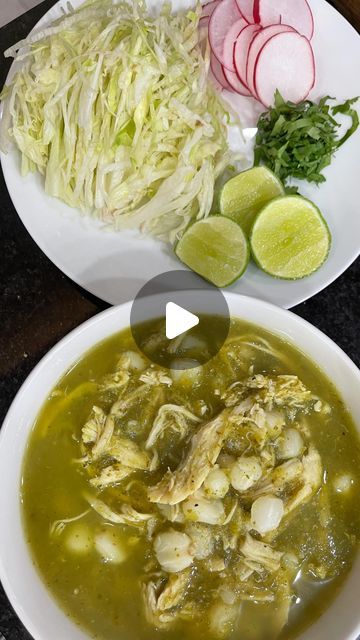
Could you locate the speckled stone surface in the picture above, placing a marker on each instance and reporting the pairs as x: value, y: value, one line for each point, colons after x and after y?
x: 39, y: 305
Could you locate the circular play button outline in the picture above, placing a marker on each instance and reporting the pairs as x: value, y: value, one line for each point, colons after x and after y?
x: 193, y: 312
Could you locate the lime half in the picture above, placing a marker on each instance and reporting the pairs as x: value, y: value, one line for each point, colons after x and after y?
x: 216, y: 249
x: 245, y: 195
x: 290, y: 239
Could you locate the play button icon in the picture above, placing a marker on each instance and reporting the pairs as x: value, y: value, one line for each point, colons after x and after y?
x: 179, y: 321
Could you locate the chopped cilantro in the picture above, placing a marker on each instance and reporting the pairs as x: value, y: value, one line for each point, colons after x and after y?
x: 299, y: 140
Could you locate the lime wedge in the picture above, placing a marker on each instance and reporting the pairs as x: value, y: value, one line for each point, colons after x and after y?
x: 290, y: 239
x: 245, y: 195
x: 216, y: 249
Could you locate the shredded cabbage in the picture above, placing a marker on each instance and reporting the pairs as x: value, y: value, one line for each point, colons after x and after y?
x: 115, y: 110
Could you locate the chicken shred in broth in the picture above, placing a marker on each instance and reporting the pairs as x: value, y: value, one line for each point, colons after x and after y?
x: 214, y: 502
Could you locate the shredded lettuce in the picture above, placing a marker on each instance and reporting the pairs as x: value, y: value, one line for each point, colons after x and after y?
x: 115, y: 110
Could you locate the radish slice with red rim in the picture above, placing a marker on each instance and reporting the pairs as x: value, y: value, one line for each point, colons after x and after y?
x: 256, y: 46
x: 208, y: 8
x: 222, y: 19
x: 286, y: 62
x: 218, y: 73
x: 229, y: 43
x: 256, y: 12
x: 241, y: 50
x: 246, y: 8
x: 203, y: 22
x: 235, y: 83
x: 297, y: 14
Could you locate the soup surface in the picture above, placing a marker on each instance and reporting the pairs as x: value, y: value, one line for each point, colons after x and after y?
x: 214, y: 502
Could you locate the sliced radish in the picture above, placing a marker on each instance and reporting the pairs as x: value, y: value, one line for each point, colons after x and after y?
x: 229, y: 43
x: 241, y: 50
x: 218, y: 73
x: 222, y: 19
x: 207, y: 11
x: 256, y: 46
x: 204, y: 22
x: 295, y: 13
x: 208, y: 8
x: 235, y: 83
x: 286, y: 62
x: 246, y: 8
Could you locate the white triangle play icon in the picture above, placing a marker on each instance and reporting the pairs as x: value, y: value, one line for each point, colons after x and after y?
x: 178, y: 320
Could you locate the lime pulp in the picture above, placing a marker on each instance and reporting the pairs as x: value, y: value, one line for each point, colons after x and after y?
x: 215, y: 248
x: 290, y: 239
x: 245, y: 195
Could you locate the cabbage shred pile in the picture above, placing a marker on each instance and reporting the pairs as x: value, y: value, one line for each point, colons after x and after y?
x: 115, y: 110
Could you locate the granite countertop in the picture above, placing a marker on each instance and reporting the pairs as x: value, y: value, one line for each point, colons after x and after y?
x: 39, y: 305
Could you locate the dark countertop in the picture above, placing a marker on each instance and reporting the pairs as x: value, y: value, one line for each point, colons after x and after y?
x: 39, y: 305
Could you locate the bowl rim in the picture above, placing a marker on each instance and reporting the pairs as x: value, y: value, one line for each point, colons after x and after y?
x: 89, y: 327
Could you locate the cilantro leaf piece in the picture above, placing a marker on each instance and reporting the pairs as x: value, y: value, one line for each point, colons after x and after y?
x: 300, y: 140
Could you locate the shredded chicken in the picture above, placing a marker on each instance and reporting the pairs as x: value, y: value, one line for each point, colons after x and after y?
x: 103, y: 441
x: 111, y: 475
x: 162, y: 603
x: 205, y: 447
x: 122, y: 405
x: 175, y: 590
x: 128, y: 453
x: 312, y: 479
x: 154, y: 617
x: 128, y: 515
x: 258, y: 343
x: 258, y: 422
x: 156, y: 377
x: 312, y: 468
x: 280, y: 479
x: 261, y: 553
x: 94, y: 427
x: 170, y: 416
x: 281, y: 391
x: 154, y: 462
x: 245, y: 568
x: 59, y: 526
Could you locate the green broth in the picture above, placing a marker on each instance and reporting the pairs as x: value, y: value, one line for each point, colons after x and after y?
x: 105, y: 599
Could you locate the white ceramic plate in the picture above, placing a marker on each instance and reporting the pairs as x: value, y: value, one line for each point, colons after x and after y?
x: 114, y: 266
